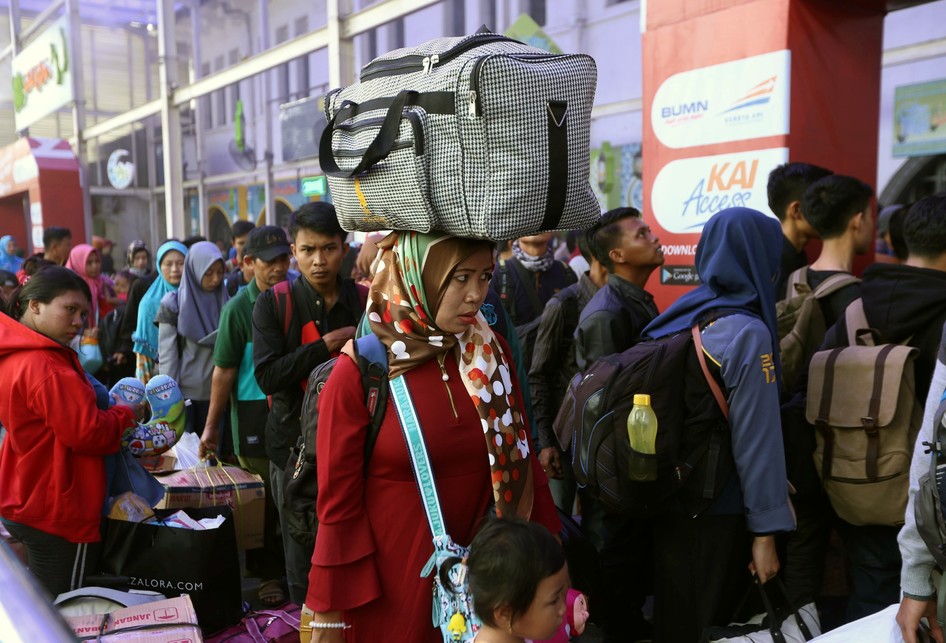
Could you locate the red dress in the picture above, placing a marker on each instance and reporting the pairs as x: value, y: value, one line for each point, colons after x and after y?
x: 373, y: 538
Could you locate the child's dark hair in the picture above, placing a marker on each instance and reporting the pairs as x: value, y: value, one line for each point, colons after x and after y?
x: 32, y: 265
x: 508, y: 559
x: 44, y: 286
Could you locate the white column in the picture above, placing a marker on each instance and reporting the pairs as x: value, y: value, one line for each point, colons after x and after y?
x: 170, y: 122
x: 78, y: 112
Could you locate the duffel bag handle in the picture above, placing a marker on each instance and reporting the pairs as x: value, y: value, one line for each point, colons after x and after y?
x: 380, y: 147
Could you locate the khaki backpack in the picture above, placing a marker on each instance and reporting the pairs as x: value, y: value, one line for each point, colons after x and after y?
x: 801, y: 323
x: 862, y: 402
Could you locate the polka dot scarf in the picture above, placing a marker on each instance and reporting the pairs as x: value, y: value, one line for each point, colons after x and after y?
x: 412, y: 273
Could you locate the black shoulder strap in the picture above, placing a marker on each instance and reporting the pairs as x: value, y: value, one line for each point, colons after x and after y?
x: 374, y: 381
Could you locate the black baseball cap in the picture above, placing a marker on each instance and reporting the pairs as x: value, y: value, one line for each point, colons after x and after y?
x: 267, y: 242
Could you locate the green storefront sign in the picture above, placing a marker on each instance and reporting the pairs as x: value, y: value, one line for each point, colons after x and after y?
x: 314, y: 186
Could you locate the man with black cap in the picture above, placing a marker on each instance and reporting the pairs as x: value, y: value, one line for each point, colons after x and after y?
x: 267, y: 251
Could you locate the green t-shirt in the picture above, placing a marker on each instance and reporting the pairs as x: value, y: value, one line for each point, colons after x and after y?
x: 234, y: 349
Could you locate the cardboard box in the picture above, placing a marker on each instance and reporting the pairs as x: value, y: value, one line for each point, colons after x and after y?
x: 233, y: 487
x: 168, y: 621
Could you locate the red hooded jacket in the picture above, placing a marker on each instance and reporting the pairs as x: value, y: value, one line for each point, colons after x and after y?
x: 52, y: 471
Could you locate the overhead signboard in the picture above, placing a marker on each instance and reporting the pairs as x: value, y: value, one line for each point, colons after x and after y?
x: 734, y: 101
x: 527, y: 30
x: 42, y: 76
x: 919, y: 113
x: 314, y: 186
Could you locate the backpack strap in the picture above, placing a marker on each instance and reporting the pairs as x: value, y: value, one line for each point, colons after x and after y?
x: 283, y: 294
x: 855, y: 321
x: 714, y: 386
x: 799, y: 276
x: 371, y: 357
x: 834, y: 283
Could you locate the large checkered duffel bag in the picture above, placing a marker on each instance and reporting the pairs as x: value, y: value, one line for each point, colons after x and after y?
x: 478, y: 136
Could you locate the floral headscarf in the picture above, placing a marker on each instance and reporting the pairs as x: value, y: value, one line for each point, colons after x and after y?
x: 412, y: 274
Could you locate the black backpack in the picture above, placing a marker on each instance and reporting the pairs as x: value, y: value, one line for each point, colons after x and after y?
x: 694, y: 455
x: 929, y: 503
x: 301, y: 484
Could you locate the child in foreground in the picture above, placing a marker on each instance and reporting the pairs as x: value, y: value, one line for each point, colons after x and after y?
x: 519, y: 582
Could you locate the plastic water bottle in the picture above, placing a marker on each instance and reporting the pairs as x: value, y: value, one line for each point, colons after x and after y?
x: 642, y: 434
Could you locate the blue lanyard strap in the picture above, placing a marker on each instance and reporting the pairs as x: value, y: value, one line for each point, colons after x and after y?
x: 420, y: 461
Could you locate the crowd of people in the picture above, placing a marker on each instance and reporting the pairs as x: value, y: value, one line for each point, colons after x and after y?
x: 488, y: 337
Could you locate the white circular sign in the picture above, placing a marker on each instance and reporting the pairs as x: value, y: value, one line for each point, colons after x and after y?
x: 120, y: 173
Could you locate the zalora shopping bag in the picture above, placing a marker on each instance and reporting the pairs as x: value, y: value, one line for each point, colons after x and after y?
x: 175, y: 561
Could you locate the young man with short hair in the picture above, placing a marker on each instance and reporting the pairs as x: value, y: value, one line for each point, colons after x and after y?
x: 611, y: 323
x: 57, y: 244
x: 614, y: 318
x: 839, y: 209
x: 905, y: 303
x: 786, y: 188
x: 325, y: 310
x: 234, y: 382
x: 239, y: 232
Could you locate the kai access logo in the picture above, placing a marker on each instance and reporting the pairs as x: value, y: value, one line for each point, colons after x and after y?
x: 733, y: 101
x: 688, y: 192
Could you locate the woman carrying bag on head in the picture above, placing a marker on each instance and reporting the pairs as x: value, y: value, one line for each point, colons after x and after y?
x: 52, y: 467
x: 373, y: 538
x: 187, y: 325
x: 170, y: 269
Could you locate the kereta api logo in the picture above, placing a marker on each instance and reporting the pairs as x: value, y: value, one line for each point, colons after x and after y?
x: 761, y: 94
x: 733, y: 101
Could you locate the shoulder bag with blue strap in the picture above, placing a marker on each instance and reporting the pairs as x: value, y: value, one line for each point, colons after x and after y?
x: 453, y: 603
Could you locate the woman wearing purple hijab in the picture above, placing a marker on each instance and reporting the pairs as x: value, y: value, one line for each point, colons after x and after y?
x: 187, y: 327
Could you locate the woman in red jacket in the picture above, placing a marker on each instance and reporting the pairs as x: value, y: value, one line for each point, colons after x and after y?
x: 373, y: 539
x: 52, y: 472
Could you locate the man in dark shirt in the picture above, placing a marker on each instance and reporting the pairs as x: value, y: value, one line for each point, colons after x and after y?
x: 553, y: 366
x: 786, y: 187
x: 325, y: 310
x: 614, y: 318
x: 839, y: 209
x: 611, y: 323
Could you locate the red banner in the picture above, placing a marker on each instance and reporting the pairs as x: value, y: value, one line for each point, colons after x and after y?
x: 731, y: 90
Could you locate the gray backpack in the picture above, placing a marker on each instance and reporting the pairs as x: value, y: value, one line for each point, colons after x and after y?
x: 478, y: 136
x: 928, y: 504
x: 801, y: 324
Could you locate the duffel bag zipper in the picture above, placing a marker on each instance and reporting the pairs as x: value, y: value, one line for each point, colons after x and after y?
x: 416, y: 62
x: 474, y: 107
x: 413, y: 117
x: 398, y: 145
